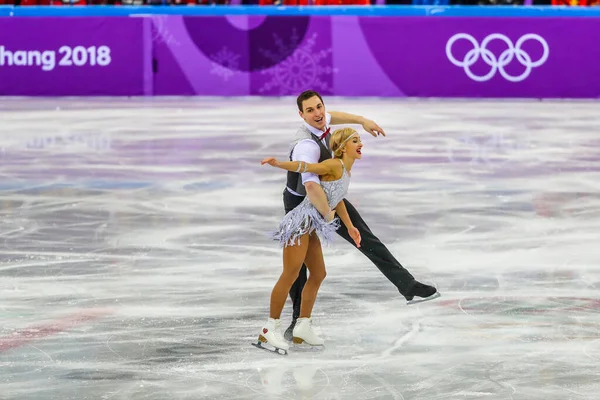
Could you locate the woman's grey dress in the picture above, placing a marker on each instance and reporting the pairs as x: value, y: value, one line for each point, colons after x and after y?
x: 305, y: 218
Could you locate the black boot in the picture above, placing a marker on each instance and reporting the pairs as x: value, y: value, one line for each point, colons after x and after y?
x: 426, y: 293
x: 289, y: 332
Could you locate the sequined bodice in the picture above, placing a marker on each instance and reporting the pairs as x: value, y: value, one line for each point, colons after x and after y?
x: 305, y: 218
x: 336, y: 190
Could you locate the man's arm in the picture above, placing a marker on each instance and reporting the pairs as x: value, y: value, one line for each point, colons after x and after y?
x: 316, y: 196
x: 308, y: 151
x: 340, y: 118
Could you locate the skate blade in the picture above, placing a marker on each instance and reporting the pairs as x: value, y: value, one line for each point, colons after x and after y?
x: 301, y: 345
x: 417, y: 301
x: 307, y: 348
x: 275, y: 350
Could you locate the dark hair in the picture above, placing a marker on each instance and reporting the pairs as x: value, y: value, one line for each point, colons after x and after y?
x: 307, y: 94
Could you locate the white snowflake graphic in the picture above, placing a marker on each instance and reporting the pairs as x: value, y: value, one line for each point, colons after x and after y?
x: 225, y: 63
x: 161, y: 33
x: 303, y: 68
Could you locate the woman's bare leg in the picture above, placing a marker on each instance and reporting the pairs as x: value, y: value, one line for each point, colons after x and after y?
x: 293, y: 257
x: 316, y: 266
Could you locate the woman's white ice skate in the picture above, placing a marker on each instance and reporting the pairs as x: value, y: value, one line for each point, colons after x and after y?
x: 271, y: 339
x: 305, y: 334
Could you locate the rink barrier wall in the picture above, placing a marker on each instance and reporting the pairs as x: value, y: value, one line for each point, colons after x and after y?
x: 383, y: 51
x: 375, y: 10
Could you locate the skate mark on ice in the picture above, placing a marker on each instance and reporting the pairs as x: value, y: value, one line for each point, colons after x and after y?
x: 574, y: 392
x: 467, y: 313
x: 478, y: 394
x: 392, y: 390
x: 500, y: 384
x: 185, y: 374
x: 106, y: 397
x: 585, y: 350
x: 41, y: 351
x: 110, y: 348
x: 43, y: 263
x: 517, y: 361
x: 414, y: 330
x: 429, y: 383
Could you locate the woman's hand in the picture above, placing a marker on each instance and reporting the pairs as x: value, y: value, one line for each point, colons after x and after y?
x: 271, y: 161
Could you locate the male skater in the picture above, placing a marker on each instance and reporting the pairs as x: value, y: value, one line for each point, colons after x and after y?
x: 312, y: 146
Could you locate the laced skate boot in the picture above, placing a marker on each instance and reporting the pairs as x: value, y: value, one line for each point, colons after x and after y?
x: 289, y: 332
x: 271, y: 339
x: 426, y: 293
x: 304, y: 333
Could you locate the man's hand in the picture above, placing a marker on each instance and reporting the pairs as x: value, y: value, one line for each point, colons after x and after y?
x: 371, y: 127
x: 355, y: 235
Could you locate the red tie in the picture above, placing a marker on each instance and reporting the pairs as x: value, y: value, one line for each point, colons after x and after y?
x: 325, y: 134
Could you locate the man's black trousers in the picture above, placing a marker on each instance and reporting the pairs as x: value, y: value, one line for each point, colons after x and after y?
x: 370, y: 246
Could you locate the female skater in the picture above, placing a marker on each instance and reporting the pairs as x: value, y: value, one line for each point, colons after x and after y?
x: 300, y: 234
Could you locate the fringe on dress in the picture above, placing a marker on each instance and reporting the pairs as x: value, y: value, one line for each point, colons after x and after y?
x: 305, y: 218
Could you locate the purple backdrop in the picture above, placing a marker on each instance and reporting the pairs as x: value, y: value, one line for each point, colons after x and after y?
x: 280, y: 55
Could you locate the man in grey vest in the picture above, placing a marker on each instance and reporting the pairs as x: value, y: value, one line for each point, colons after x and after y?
x: 311, y: 145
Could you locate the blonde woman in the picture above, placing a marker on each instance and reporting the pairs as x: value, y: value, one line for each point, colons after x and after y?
x: 300, y: 234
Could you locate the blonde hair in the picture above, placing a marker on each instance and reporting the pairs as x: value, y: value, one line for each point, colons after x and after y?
x: 338, y: 140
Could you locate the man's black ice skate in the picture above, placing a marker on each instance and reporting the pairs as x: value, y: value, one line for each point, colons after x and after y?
x: 289, y: 332
x: 426, y: 293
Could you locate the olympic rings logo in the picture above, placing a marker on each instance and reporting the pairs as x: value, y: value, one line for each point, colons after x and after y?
x: 497, y: 64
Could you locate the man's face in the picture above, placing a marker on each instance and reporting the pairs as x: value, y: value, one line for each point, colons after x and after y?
x: 314, y: 113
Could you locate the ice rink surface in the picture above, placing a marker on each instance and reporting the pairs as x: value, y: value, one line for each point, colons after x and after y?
x: 135, y: 261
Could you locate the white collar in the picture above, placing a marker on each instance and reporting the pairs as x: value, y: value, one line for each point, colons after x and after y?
x: 314, y: 130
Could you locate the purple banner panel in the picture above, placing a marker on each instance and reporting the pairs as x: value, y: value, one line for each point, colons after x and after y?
x: 376, y: 56
x: 75, y: 56
x: 487, y: 57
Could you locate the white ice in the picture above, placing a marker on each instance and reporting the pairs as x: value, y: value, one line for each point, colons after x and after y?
x: 135, y: 261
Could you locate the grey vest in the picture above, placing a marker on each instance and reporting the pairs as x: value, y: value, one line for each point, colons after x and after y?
x: 294, y: 179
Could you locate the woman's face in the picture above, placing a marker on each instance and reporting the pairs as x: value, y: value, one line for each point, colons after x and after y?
x: 354, y: 146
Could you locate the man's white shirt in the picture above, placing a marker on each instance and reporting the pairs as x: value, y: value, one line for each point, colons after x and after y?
x: 308, y: 150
